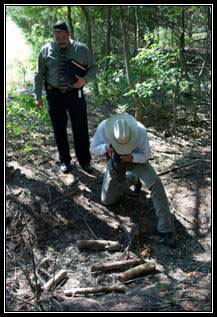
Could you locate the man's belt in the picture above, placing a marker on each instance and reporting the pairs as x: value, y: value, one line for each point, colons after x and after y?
x: 62, y: 89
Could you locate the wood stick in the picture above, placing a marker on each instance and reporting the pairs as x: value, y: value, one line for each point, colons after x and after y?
x: 99, y: 245
x: 181, y: 166
x: 136, y: 271
x: 54, y: 281
x: 94, y: 290
x: 117, y: 265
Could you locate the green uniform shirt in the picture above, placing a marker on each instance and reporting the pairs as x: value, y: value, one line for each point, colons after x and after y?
x: 48, y: 64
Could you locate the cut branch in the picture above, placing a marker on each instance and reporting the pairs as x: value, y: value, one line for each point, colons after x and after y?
x: 94, y: 290
x: 136, y: 271
x: 117, y: 265
x: 99, y: 245
x: 54, y: 281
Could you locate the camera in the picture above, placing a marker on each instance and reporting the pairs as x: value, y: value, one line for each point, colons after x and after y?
x: 116, y: 157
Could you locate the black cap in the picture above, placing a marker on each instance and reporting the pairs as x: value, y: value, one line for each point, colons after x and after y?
x: 60, y: 26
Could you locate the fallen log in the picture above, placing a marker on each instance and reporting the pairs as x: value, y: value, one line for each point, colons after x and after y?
x: 136, y: 271
x: 55, y: 280
x: 116, y: 265
x: 99, y: 245
x: 95, y: 290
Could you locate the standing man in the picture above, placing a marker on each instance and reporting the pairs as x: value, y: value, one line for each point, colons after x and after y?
x: 125, y: 141
x: 64, y: 67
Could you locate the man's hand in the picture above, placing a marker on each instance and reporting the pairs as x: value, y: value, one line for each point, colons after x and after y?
x: 39, y: 104
x: 108, y: 150
x: 123, y: 158
x: 79, y: 83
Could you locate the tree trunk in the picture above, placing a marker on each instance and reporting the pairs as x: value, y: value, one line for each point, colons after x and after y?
x: 136, y: 98
x: 202, y: 70
x: 71, y: 28
x: 137, y: 43
x: 108, y: 30
x: 182, y: 36
x: 126, y: 49
x: 88, y: 28
x: 174, y: 106
x: 89, y: 42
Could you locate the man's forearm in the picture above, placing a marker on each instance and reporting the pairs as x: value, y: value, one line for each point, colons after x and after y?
x: 39, y: 76
x: 98, y: 150
x: 38, y: 84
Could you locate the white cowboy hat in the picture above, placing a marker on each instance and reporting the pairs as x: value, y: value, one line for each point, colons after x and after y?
x: 121, y: 130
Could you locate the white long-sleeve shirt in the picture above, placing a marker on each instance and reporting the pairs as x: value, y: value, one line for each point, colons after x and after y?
x: 141, y: 152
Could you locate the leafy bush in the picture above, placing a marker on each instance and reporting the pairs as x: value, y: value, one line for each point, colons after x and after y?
x: 112, y: 80
x: 155, y: 69
x: 23, y: 120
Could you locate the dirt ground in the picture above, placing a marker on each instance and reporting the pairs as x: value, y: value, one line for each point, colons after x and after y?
x: 47, y: 212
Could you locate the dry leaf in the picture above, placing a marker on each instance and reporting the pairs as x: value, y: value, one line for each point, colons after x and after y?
x: 147, y: 251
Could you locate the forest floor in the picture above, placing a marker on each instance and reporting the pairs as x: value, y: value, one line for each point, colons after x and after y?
x: 47, y: 212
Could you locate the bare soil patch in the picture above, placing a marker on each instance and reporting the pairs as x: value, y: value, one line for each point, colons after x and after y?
x: 48, y: 212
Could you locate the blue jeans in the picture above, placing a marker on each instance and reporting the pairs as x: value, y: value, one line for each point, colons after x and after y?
x: 113, y: 189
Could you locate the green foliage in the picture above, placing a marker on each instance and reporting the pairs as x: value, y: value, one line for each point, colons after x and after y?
x: 156, y: 70
x: 155, y: 48
x: 23, y: 120
x: 112, y: 80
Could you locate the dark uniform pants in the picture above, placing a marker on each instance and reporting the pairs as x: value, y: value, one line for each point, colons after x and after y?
x: 74, y: 103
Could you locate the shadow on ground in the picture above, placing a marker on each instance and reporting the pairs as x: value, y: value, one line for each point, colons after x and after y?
x: 49, y: 220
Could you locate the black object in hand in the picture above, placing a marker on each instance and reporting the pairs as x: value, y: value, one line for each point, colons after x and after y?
x: 73, y: 69
x: 118, y: 165
x: 115, y: 156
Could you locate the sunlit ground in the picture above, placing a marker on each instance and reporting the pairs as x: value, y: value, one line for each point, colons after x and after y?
x: 17, y: 53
